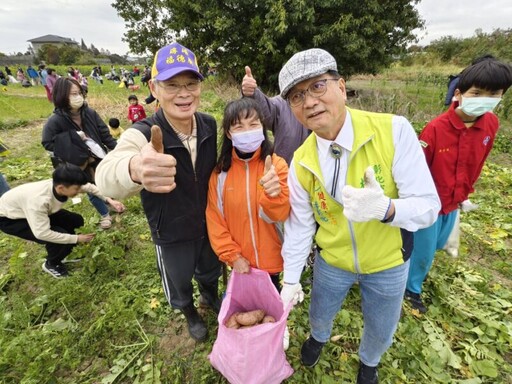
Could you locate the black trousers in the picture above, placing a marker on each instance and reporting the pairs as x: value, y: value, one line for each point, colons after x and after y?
x: 179, y: 263
x: 62, y: 221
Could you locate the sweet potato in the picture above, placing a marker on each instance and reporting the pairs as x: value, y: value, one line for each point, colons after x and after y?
x: 231, y: 321
x: 251, y: 317
x: 268, y: 319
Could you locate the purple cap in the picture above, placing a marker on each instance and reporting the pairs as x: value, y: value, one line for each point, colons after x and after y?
x: 173, y: 59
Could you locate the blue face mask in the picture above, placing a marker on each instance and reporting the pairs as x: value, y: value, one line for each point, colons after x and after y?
x: 477, y: 106
x: 249, y: 141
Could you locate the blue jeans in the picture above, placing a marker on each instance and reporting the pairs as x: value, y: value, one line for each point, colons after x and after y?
x: 381, y: 294
x: 99, y: 204
x: 426, y: 242
x: 4, y: 187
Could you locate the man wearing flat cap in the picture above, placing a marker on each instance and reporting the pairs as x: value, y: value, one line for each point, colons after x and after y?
x: 168, y: 158
x: 359, y: 186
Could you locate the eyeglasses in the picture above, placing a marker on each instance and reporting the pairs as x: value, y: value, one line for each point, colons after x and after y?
x: 316, y: 90
x: 173, y: 88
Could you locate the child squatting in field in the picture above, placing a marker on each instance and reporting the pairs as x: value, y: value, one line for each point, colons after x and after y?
x: 34, y: 212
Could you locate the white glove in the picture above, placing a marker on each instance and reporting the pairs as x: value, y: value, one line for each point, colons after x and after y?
x: 468, y: 206
x: 286, y: 338
x: 365, y: 204
x: 292, y: 293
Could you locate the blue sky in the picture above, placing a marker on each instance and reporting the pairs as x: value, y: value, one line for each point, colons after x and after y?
x: 97, y: 22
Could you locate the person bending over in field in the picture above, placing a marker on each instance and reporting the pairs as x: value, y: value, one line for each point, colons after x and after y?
x: 34, y: 212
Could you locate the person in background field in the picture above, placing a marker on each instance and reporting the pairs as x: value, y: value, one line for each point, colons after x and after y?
x: 72, y: 112
x: 114, y: 128
x: 456, y: 145
x: 43, y: 74
x: 72, y: 72
x: 20, y: 75
x: 247, y: 175
x: 289, y: 133
x: 3, y: 79
x: 169, y: 158
x: 50, y: 81
x: 33, y: 76
x: 95, y: 74
x: 10, y: 77
x: 33, y: 211
x: 84, y: 83
x: 136, y: 111
x: 360, y: 175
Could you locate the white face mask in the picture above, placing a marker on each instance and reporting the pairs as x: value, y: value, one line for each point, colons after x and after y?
x: 477, y: 106
x: 76, y: 102
x: 248, y: 141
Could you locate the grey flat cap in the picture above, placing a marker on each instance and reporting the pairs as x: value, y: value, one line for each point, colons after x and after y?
x: 305, y: 65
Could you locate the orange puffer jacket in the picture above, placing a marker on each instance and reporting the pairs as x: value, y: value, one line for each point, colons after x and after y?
x: 241, y: 221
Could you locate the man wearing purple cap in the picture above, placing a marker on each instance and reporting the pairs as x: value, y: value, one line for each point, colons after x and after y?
x: 359, y: 186
x: 168, y: 158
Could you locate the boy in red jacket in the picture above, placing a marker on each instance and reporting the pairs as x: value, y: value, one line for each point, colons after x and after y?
x: 136, y: 111
x: 456, y: 145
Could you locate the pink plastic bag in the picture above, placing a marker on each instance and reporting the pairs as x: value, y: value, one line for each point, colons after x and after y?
x: 252, y: 355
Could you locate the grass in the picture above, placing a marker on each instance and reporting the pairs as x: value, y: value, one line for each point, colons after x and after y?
x: 110, y: 323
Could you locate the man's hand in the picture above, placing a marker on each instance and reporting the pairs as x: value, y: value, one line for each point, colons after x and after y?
x: 291, y: 293
x: 117, y: 205
x: 152, y: 168
x: 249, y: 83
x: 270, y: 180
x: 85, y: 238
x: 241, y: 265
x: 368, y: 203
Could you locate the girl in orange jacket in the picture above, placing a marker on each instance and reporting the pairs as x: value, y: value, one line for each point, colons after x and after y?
x: 248, y: 194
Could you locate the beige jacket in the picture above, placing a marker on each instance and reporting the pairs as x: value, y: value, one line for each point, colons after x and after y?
x: 35, y: 202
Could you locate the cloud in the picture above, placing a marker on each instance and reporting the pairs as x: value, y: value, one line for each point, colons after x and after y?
x: 462, y: 18
x: 94, y: 21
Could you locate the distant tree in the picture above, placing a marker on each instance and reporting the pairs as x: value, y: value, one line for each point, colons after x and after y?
x: 116, y: 59
x: 83, y: 47
x: 49, y: 53
x: 362, y: 35
x: 94, y: 50
x: 69, y: 54
x: 462, y: 51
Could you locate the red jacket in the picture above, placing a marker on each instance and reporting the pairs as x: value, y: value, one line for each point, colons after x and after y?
x: 456, y: 154
x: 136, y: 113
x: 242, y: 226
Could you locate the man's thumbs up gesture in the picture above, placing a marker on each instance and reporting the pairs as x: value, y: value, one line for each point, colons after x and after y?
x: 249, y: 83
x: 368, y: 203
x: 152, y: 168
x: 270, y: 180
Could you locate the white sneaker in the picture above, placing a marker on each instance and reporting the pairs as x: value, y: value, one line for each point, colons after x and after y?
x: 106, y: 222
